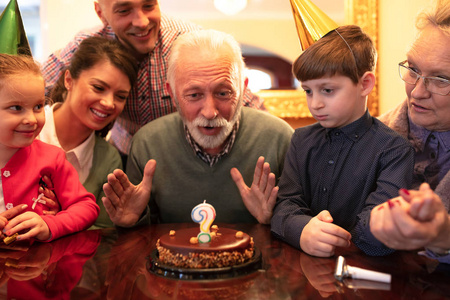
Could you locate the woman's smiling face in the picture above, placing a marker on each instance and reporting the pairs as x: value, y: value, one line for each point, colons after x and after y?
x: 98, y: 95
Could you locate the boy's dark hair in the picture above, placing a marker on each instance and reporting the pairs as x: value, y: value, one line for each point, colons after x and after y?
x: 331, y: 55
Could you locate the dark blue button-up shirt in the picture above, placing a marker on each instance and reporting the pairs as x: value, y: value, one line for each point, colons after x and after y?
x: 346, y: 171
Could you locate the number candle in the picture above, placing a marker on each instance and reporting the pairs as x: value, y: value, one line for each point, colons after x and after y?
x: 204, y: 214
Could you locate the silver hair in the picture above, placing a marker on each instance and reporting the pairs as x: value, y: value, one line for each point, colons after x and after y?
x: 438, y: 15
x: 207, y: 42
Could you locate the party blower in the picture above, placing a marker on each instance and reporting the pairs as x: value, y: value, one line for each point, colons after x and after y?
x: 343, y: 271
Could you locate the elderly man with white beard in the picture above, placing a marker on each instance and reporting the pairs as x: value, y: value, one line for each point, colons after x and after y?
x: 212, y: 149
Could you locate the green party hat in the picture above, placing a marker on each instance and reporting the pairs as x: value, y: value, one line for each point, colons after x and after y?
x: 13, y: 39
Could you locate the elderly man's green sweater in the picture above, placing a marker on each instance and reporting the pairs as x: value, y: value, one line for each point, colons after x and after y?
x: 182, y: 180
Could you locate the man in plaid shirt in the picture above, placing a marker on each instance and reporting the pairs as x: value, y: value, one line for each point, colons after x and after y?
x: 139, y: 26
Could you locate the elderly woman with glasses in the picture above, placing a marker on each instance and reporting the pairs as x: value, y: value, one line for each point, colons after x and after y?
x: 419, y: 217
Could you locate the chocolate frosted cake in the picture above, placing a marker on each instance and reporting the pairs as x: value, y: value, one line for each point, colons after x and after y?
x: 227, y: 248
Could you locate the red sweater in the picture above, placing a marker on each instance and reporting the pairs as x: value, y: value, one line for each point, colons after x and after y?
x: 20, y: 180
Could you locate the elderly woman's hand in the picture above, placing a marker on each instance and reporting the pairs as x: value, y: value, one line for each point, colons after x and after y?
x: 413, y: 220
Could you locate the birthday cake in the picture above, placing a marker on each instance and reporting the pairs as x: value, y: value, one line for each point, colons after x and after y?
x: 206, y: 246
x: 227, y: 247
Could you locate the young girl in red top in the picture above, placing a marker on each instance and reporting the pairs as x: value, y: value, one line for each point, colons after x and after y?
x: 24, y: 160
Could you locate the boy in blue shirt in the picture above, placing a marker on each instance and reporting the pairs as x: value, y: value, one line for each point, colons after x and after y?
x: 338, y: 169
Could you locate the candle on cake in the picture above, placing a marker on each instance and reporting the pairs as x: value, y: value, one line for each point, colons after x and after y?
x: 204, y: 214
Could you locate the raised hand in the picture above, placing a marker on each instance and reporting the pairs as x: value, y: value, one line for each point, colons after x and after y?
x: 260, y: 198
x: 125, y: 202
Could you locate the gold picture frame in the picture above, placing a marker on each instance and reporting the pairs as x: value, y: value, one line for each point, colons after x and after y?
x: 291, y: 104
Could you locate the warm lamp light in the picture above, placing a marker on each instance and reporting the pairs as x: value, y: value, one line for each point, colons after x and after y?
x: 230, y: 7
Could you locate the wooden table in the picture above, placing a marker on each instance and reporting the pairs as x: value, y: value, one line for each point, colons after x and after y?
x: 113, y: 264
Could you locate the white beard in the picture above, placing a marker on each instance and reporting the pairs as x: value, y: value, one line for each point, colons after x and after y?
x: 212, y: 141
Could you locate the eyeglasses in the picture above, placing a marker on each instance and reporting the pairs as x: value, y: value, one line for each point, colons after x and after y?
x: 434, y: 85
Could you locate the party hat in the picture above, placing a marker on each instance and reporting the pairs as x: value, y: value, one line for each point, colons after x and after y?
x: 13, y: 39
x: 311, y: 22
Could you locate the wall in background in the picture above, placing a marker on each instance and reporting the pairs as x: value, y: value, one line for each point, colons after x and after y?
x: 62, y: 19
x: 396, y: 32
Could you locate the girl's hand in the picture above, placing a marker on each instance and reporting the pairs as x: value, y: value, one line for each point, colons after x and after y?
x: 10, y: 213
x: 30, y: 223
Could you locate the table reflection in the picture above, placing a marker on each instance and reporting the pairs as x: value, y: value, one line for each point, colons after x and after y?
x: 46, y: 270
x: 113, y: 264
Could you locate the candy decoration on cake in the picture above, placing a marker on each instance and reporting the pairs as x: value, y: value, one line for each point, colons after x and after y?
x: 204, y: 214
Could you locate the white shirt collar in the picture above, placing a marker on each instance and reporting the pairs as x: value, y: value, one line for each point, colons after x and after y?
x: 83, y: 153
